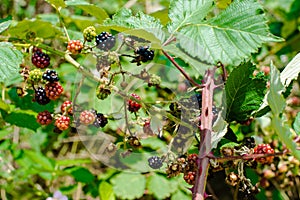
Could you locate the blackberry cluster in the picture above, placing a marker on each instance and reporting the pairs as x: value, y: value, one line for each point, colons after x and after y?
x: 75, y: 46
x: 35, y: 76
x: 50, y: 75
x: 100, y: 120
x: 143, y: 54
x: 67, y: 105
x: 87, y: 117
x: 53, y: 90
x: 41, y: 97
x: 62, y: 123
x: 105, y: 41
x: 134, y: 106
x: 89, y: 33
x: 155, y: 162
x: 40, y: 59
x: 44, y: 118
x: 264, y: 149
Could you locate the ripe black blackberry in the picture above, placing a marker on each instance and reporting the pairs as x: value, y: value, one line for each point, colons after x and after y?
x: 50, y: 75
x: 155, y: 162
x: 40, y: 59
x: 41, y: 97
x: 249, y: 142
x: 143, y: 54
x: 100, y: 121
x: 105, y: 41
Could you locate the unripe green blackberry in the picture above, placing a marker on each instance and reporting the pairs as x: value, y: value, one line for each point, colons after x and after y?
x: 154, y: 80
x: 35, y: 76
x: 89, y: 33
x: 102, y: 91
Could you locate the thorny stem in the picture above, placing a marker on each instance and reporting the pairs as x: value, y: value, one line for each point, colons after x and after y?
x: 181, y: 70
x: 205, y: 137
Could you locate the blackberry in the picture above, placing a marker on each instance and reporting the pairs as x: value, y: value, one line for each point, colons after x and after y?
x: 143, y: 54
x: 44, y: 118
x: 35, y: 76
x: 264, y: 149
x: 53, y: 90
x: 75, y: 46
x: 50, y: 75
x: 40, y: 59
x: 62, y: 123
x: 67, y: 105
x: 155, y: 162
x: 105, y: 41
x: 89, y: 33
x: 134, y: 106
x: 134, y: 141
x: 190, y: 177
x: 154, y: 80
x: 100, y: 121
x: 41, y: 97
x: 87, y: 117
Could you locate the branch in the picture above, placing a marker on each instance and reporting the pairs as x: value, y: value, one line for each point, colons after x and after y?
x: 181, y: 70
x: 205, y: 137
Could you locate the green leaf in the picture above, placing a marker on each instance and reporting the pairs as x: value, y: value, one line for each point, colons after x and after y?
x: 91, y: 9
x: 4, y: 25
x: 244, y: 93
x: 125, y: 19
x: 41, y: 28
x: 274, y: 97
x: 296, y: 124
x: 291, y: 71
x: 39, y: 160
x: 106, y: 191
x: 223, y: 3
x: 23, y: 118
x: 183, y: 12
x: 230, y: 37
x: 284, y: 134
x: 159, y: 186
x: 10, y: 60
x: 81, y: 174
x: 57, y: 4
x: 180, y: 195
x: 129, y: 185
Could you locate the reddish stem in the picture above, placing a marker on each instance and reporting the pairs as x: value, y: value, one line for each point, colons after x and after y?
x: 205, y: 129
x: 181, y: 70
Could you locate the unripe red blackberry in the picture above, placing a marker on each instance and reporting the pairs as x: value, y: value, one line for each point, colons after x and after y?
x: 105, y: 41
x: 264, y: 149
x: 155, y: 162
x: 100, y: 120
x: 53, y: 90
x: 50, y: 75
x: 62, y: 123
x: 35, y: 76
x: 89, y: 33
x: 190, y: 177
x: 75, y: 46
x: 102, y: 91
x: 40, y: 59
x: 134, y: 106
x: 87, y: 117
x: 41, y: 96
x: 67, y: 105
x: 44, y: 118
